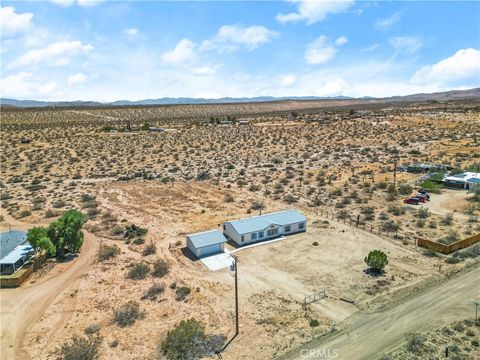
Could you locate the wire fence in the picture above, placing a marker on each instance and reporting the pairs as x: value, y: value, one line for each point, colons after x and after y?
x: 361, y: 223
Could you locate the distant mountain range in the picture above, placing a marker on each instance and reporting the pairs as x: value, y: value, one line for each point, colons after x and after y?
x: 439, y: 96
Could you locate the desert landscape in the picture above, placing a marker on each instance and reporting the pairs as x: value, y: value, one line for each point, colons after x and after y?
x: 146, y: 176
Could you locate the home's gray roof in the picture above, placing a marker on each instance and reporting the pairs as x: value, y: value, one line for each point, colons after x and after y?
x: 207, y: 238
x: 9, y: 240
x: 261, y: 222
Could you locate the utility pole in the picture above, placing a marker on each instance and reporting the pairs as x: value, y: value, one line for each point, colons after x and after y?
x: 235, y: 265
x: 477, y: 305
x: 395, y: 174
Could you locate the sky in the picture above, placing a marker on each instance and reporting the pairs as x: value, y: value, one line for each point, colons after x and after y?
x: 114, y: 50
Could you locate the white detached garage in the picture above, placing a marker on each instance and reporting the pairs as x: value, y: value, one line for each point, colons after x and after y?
x: 206, y: 243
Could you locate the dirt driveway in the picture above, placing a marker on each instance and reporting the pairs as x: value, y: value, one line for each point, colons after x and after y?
x: 24, y: 306
x: 368, y: 336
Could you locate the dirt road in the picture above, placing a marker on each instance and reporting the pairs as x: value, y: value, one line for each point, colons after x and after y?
x: 369, y: 336
x: 22, y: 307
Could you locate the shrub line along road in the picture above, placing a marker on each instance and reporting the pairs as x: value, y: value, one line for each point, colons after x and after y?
x: 22, y: 307
x: 369, y: 336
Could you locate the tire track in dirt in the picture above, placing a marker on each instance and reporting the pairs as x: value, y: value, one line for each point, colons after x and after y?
x: 22, y: 307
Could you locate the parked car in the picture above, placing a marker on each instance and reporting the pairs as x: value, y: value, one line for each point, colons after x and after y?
x: 424, y: 192
x: 414, y: 201
x: 422, y: 197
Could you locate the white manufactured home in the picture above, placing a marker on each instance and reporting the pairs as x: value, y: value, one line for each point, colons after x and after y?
x: 265, y: 227
x: 206, y: 243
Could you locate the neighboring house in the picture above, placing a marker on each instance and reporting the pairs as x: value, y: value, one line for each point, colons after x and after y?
x: 206, y: 243
x: 14, y: 251
x: 264, y: 227
x: 466, y: 180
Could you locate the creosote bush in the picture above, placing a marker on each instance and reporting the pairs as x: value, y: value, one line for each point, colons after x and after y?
x: 138, y: 271
x: 160, y: 268
x: 81, y: 348
x: 106, y: 252
x: 127, y: 314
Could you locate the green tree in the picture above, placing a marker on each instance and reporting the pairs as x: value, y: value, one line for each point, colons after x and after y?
x: 66, y: 232
x: 376, y: 260
x: 38, y: 238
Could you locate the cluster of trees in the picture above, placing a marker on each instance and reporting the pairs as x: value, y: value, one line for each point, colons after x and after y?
x: 61, y: 236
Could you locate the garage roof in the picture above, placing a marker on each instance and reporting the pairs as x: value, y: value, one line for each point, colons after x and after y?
x: 207, y: 238
x: 261, y: 222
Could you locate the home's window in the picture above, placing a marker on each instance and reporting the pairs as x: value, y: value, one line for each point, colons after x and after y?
x: 242, y: 238
x: 272, y: 232
x: 301, y: 225
x: 224, y: 227
x: 260, y: 234
x: 288, y: 228
x: 254, y: 236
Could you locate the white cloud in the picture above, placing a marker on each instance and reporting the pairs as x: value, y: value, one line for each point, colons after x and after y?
x: 321, y: 50
x: 77, y: 79
x: 406, y: 44
x: 388, y: 22
x: 341, y: 40
x: 21, y: 85
x: 84, y: 3
x: 334, y: 87
x: 12, y: 23
x: 229, y: 37
x: 460, y: 69
x: 59, y: 53
x: 64, y: 3
x: 183, y: 51
x: 287, y: 80
x: 372, y: 47
x: 204, y: 70
x: 131, y: 31
x: 314, y: 11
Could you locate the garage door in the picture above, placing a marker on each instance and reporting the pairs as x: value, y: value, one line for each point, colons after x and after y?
x: 207, y: 250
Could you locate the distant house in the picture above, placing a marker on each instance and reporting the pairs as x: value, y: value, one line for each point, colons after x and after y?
x: 422, y: 167
x: 466, y: 180
x: 264, y: 227
x: 14, y: 251
x: 243, y: 122
x: 206, y: 243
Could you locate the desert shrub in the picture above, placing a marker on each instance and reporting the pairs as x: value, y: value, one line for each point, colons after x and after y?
x: 153, y: 291
x: 447, y: 219
x: 50, y: 213
x: 423, y: 213
x: 134, y: 230
x: 81, y: 348
x: 92, y: 329
x: 149, y: 249
x: 173, y: 285
x: 390, y: 226
x: 430, y: 253
x: 106, y: 252
x: 181, y: 293
x: 127, y: 314
x: 405, y: 189
x: 58, y: 204
x: 376, y: 260
x: 414, y: 342
x: 453, y: 260
x: 188, y: 341
x: 256, y: 205
x: 160, y: 268
x: 315, y: 243
x: 228, y: 199
x: 450, y: 238
x: 314, y: 323
x: 138, y: 271
x: 138, y: 241
x: 396, y: 210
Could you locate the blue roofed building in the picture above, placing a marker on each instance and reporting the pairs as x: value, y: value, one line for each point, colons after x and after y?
x: 14, y: 251
x: 206, y: 243
x: 265, y: 227
x: 466, y: 180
